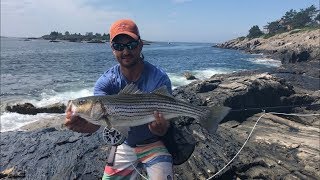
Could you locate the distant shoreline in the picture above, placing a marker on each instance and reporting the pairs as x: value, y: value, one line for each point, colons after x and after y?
x: 145, y: 42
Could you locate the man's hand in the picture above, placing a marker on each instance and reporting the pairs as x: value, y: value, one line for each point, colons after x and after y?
x: 78, y: 124
x: 160, y: 126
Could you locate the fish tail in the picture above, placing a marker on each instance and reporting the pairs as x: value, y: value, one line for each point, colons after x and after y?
x: 214, y: 115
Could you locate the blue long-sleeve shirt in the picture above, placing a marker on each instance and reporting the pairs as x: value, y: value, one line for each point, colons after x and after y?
x: 112, y: 81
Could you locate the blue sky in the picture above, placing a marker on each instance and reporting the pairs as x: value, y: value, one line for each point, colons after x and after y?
x: 158, y: 20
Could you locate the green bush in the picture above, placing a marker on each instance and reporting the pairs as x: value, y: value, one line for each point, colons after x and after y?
x: 266, y: 36
x: 242, y: 38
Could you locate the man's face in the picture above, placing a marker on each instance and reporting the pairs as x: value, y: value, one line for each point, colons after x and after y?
x: 126, y: 56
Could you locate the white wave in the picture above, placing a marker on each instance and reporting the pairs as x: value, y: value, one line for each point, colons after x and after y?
x: 63, y: 97
x: 266, y: 61
x: 46, y: 98
x: 14, y: 121
x: 178, y: 79
x: 207, y: 73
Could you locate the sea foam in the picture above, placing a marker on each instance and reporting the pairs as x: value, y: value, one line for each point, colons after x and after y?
x: 266, y: 61
x: 14, y: 121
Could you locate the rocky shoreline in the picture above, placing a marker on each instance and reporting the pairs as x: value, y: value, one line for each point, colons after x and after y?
x: 281, y: 146
x: 289, y: 47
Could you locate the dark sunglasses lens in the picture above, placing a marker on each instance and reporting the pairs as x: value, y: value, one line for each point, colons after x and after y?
x: 132, y: 45
x: 118, y: 46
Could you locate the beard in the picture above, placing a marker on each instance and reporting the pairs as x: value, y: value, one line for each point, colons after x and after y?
x: 129, y: 63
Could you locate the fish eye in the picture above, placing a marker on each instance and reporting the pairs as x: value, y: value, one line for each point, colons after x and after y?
x: 81, y: 102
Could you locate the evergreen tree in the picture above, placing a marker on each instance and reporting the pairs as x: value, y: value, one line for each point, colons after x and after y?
x: 304, y: 17
x: 275, y: 27
x: 311, y: 11
x: 106, y: 36
x: 54, y: 35
x: 289, y: 17
x: 255, y: 32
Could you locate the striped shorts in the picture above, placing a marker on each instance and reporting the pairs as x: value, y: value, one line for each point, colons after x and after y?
x: 154, y: 157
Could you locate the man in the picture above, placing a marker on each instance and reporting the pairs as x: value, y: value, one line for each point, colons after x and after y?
x: 142, y: 145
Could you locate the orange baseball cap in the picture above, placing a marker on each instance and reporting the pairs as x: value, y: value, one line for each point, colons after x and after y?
x: 124, y: 26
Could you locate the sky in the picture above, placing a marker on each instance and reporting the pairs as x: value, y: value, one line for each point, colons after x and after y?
x: 212, y: 21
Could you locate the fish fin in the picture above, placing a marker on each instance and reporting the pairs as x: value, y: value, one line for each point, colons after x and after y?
x: 162, y: 91
x: 97, y: 108
x: 123, y: 130
x: 214, y: 116
x: 106, y: 121
x: 130, y: 89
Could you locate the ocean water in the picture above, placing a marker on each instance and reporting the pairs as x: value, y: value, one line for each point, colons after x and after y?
x: 43, y: 73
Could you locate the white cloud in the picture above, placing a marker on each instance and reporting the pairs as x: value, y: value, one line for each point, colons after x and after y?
x: 39, y: 17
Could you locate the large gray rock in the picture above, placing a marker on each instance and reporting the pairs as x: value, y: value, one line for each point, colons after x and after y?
x: 189, y: 76
x: 28, y: 108
x: 52, y: 154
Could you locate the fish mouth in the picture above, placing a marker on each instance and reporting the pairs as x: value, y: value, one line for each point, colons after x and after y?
x: 71, y: 108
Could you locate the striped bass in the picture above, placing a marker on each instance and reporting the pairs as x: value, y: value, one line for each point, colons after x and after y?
x: 131, y: 107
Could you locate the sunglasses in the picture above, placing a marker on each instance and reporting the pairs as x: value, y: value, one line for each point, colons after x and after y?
x: 120, y: 47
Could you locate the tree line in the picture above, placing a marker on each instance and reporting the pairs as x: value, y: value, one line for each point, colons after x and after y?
x: 309, y: 17
x: 89, y: 36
